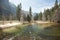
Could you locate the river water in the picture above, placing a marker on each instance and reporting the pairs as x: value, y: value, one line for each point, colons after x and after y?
x: 34, y: 32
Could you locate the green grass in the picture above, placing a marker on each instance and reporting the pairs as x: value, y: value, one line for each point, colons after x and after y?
x: 53, y: 30
x: 13, y: 30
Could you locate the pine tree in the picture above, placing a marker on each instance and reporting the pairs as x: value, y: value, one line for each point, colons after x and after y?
x: 19, y: 12
x: 36, y: 16
x: 40, y: 16
x: 30, y: 13
x: 28, y: 18
x: 56, y: 5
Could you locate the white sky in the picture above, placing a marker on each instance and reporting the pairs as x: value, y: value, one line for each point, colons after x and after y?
x: 37, y: 5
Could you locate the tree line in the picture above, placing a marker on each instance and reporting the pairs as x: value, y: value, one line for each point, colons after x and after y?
x: 48, y: 13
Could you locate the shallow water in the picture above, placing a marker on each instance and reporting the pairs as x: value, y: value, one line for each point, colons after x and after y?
x: 35, y: 32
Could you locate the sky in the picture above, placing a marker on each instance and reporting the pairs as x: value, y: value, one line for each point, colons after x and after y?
x: 36, y: 5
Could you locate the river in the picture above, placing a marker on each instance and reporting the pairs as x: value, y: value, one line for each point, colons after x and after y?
x: 34, y: 32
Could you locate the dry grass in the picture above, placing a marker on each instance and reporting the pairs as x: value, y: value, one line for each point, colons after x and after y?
x: 48, y: 24
x: 51, y: 29
x: 13, y: 29
x: 9, y: 30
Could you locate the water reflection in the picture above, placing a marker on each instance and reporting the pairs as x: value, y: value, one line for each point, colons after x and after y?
x: 30, y: 32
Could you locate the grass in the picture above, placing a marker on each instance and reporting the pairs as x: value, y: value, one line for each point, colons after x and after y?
x: 13, y: 31
x: 51, y: 30
x: 44, y: 25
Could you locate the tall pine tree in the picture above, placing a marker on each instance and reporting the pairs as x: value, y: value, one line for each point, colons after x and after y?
x: 30, y: 13
x: 29, y: 16
x: 56, y: 5
x: 19, y: 12
x: 40, y: 16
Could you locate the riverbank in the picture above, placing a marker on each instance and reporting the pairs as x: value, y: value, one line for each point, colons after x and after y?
x: 34, y: 28
x: 12, y: 31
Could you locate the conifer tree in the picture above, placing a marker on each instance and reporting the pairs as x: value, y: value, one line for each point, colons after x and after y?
x: 19, y: 12
x: 56, y: 5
